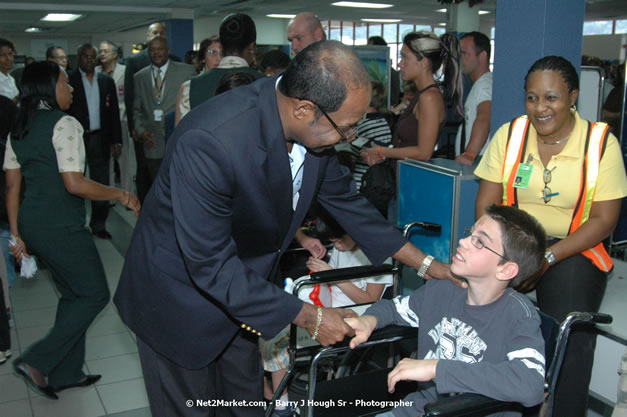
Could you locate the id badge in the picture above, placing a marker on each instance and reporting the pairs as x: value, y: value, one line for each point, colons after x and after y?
x: 158, y: 115
x: 523, y: 175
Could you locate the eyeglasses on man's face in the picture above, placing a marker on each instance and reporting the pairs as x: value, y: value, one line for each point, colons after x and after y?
x: 346, y: 133
x: 478, y: 243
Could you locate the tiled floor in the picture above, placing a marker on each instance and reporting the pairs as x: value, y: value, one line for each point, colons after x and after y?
x: 111, y: 348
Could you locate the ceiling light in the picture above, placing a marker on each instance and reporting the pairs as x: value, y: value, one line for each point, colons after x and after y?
x: 382, y: 20
x: 441, y: 10
x: 362, y: 5
x: 442, y: 24
x: 282, y: 16
x: 33, y: 30
x: 484, y: 11
x: 61, y: 17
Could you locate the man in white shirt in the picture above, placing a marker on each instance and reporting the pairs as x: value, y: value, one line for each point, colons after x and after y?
x: 472, y: 136
x: 95, y: 105
x: 7, y: 83
x: 108, y: 54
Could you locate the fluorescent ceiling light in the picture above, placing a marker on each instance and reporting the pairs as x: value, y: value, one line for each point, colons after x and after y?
x: 442, y: 24
x: 362, y: 5
x: 382, y: 20
x: 441, y: 10
x: 33, y: 30
x: 61, y: 17
x: 282, y: 16
x: 484, y: 11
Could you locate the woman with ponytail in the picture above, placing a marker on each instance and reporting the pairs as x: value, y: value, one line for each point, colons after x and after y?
x: 423, y: 57
x: 46, y: 148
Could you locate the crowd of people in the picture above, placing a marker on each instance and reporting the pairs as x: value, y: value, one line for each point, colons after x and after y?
x: 224, y: 182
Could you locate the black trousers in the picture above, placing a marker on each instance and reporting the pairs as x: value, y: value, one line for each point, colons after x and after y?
x: 5, y: 333
x: 142, y: 176
x: 152, y: 167
x: 235, y: 375
x: 98, y: 152
x: 573, y: 284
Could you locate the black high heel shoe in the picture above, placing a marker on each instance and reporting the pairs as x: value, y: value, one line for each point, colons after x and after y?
x: 19, y: 366
x: 87, y: 381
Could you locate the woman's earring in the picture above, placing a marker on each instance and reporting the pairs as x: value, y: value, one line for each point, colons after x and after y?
x: 573, y: 108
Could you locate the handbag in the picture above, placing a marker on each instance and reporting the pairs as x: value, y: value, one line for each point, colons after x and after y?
x: 378, y: 185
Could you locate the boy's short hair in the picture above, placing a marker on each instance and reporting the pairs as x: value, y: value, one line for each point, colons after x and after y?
x: 524, y: 240
x: 327, y: 227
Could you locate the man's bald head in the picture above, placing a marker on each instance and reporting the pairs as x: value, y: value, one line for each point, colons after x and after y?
x: 155, y: 30
x: 304, y: 30
x: 324, y: 73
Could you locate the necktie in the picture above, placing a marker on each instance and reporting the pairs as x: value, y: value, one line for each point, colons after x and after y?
x: 158, y: 82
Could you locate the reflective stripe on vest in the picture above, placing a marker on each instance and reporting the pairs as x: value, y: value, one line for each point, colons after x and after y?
x: 595, y: 143
x: 518, y: 135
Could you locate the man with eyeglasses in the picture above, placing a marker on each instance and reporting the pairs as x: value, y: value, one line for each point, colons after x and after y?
x: 57, y: 54
x: 238, y: 176
x: 108, y: 54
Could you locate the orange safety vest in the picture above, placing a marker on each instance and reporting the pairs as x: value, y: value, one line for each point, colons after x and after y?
x: 596, y: 139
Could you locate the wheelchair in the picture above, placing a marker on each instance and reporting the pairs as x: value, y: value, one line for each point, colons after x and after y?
x: 556, y: 339
x: 369, y: 362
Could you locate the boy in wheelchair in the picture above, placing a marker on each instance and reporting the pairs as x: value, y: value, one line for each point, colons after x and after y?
x: 484, y: 339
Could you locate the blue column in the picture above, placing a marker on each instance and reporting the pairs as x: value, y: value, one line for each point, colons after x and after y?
x: 180, y: 36
x: 526, y: 31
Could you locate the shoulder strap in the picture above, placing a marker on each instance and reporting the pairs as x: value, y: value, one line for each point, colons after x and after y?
x: 515, y: 146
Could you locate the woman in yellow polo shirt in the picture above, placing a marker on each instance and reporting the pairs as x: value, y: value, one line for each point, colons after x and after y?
x: 570, y: 175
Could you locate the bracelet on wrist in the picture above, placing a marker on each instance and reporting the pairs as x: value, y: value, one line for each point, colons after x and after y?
x: 379, y: 154
x: 318, y: 322
x: 470, y: 155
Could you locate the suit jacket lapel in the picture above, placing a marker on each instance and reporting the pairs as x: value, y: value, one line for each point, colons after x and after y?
x: 79, y: 104
x: 273, y: 157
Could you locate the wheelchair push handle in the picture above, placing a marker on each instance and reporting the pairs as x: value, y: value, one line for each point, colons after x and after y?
x: 431, y: 227
x: 599, y: 318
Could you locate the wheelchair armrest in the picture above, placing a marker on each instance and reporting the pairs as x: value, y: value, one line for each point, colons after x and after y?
x: 467, y: 405
x: 354, y: 272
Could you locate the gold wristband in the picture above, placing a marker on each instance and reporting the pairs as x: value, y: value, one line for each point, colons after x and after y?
x: 318, y: 322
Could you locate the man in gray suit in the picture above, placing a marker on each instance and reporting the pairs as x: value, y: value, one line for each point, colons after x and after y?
x: 156, y: 89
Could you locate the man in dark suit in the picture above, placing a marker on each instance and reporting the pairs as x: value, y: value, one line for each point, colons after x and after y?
x: 156, y: 89
x: 238, y: 176
x: 95, y: 105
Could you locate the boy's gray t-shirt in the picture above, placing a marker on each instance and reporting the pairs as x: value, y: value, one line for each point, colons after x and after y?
x: 495, y: 350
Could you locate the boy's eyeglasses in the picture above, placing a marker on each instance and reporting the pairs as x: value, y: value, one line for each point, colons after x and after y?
x: 478, y: 243
x: 346, y: 134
